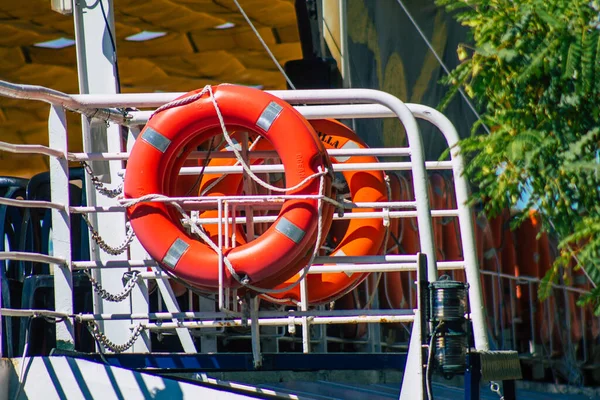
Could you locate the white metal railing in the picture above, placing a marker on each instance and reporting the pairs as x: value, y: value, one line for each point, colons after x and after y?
x: 331, y: 104
x: 555, y: 332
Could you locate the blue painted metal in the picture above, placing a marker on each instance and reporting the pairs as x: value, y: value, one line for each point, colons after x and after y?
x: 472, y: 377
x: 172, y: 362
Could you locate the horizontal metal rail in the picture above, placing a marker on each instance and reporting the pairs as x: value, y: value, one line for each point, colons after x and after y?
x: 322, y: 264
x: 375, y: 152
x: 278, y: 168
x: 527, y: 279
x: 230, y: 314
x: 346, y: 216
x: 319, y: 259
x: 24, y: 313
x: 31, y: 203
x: 354, y: 319
x: 30, y: 149
x: 33, y: 257
x: 41, y: 93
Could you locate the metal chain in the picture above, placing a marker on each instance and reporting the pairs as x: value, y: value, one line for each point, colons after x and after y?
x: 115, y: 298
x: 112, y: 193
x: 105, y: 246
x: 110, y: 346
x: 495, y: 387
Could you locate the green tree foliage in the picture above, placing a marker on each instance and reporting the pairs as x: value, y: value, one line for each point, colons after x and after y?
x: 534, y: 71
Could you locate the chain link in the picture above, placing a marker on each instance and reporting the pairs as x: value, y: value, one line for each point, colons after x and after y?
x: 115, y: 298
x: 110, y: 346
x: 495, y: 387
x: 105, y: 246
x: 112, y: 193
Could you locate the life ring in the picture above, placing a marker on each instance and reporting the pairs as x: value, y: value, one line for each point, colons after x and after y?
x: 354, y: 237
x: 396, y: 288
x: 362, y: 236
x: 164, y: 145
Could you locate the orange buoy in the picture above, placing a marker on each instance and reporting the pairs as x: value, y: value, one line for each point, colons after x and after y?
x: 353, y: 237
x: 362, y: 236
x: 396, y: 287
x: 161, y: 150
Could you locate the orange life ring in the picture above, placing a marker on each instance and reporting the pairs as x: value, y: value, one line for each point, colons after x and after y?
x: 164, y: 145
x: 391, y: 292
x: 362, y: 236
x: 353, y: 237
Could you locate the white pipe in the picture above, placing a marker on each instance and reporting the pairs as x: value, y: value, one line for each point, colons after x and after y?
x: 114, y: 264
x: 41, y: 93
x: 361, y: 268
x: 336, y: 217
x: 318, y: 260
x: 346, y: 111
x: 33, y: 257
x: 523, y: 279
x: 31, y: 203
x: 30, y: 149
x: 355, y: 319
x: 273, y: 168
x: 11, y: 312
x: 375, y: 152
x: 467, y: 231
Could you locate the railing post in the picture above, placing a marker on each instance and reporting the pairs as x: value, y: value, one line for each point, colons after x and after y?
x: 61, y: 227
x: 97, y: 74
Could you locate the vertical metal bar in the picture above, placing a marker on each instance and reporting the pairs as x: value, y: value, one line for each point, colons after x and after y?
x: 305, y: 324
x: 550, y: 328
x: 513, y: 311
x: 97, y: 75
x: 227, y: 298
x: 248, y: 190
x: 472, y: 377
x: 208, y: 340
x: 510, y: 390
x: 226, y: 238
x: 374, y: 329
x: 255, y: 331
x: 61, y: 227
x: 173, y: 307
x: 414, y: 377
x: 495, y: 305
x: 234, y: 302
x: 233, y: 224
x: 220, y: 246
x: 568, y: 329
x: 532, y: 310
x: 584, y: 326
x: 140, y: 299
x: 345, y: 56
x: 1, y: 337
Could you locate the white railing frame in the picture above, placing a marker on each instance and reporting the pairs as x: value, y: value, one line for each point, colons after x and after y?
x: 386, y: 106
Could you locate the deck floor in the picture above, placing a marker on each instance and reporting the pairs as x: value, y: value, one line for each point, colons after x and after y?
x: 324, y: 390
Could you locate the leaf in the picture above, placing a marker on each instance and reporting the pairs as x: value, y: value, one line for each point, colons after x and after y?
x: 507, y: 54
